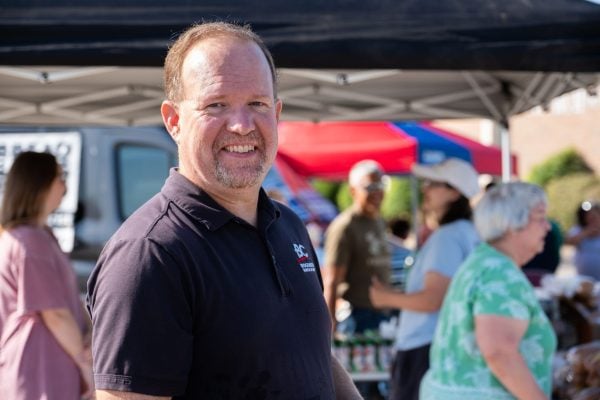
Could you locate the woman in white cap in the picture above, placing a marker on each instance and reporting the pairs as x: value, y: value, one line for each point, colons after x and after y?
x: 493, y: 340
x: 447, y: 188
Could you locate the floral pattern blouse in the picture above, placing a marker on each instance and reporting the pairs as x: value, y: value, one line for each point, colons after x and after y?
x: 487, y: 283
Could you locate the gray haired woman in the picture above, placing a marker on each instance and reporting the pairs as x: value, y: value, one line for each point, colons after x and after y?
x: 493, y: 340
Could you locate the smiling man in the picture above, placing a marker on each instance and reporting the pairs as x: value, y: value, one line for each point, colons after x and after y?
x: 204, y: 293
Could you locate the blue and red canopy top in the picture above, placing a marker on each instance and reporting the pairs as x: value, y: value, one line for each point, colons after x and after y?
x: 329, y: 149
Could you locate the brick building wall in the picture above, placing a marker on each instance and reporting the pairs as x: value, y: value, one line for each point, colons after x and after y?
x: 571, y: 121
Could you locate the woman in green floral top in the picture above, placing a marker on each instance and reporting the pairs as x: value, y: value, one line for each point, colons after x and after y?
x: 493, y: 340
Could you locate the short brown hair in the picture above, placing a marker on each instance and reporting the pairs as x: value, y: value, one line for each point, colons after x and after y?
x: 25, y: 188
x: 197, y: 33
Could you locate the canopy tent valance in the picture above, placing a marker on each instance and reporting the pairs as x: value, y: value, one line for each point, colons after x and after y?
x: 510, y: 35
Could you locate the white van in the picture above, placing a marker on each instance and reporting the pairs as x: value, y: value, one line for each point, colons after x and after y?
x: 109, y: 171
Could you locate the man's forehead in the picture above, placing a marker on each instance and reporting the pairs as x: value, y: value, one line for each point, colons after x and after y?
x: 375, y: 175
x: 235, y: 61
x: 221, y: 52
x: 370, y: 177
x: 207, y: 86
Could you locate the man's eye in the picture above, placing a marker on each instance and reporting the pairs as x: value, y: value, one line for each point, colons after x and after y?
x: 215, y: 105
x: 259, y: 104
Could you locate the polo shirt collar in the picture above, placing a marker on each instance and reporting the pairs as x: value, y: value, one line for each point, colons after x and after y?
x: 199, y: 205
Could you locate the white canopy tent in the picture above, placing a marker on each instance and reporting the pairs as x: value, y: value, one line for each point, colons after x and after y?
x: 68, y: 63
x: 132, y: 95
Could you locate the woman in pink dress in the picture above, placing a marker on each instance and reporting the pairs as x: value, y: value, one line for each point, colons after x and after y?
x: 44, y: 353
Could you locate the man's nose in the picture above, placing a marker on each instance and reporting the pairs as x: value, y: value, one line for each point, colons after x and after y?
x: 240, y: 121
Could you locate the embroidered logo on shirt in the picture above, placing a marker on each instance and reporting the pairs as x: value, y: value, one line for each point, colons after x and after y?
x: 303, y: 260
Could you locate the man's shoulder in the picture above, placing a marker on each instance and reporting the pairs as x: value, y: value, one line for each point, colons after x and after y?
x: 338, y: 225
x: 344, y: 218
x: 148, y: 220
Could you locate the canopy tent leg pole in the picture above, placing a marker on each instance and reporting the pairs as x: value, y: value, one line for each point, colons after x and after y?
x: 505, y: 147
x: 414, y: 204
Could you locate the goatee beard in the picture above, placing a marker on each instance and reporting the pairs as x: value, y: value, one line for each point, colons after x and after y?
x: 242, y: 177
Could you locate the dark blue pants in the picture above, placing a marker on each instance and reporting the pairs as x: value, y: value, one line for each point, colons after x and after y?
x: 361, y: 320
x: 407, y: 371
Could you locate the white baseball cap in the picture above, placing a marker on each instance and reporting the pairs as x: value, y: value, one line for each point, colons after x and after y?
x: 362, y: 169
x: 456, y: 172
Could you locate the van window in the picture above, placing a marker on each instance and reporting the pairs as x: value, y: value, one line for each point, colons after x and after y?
x: 141, y: 172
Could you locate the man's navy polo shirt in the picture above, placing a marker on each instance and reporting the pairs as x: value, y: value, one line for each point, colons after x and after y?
x: 188, y: 300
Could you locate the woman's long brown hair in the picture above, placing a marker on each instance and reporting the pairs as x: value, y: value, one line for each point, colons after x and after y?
x: 25, y: 188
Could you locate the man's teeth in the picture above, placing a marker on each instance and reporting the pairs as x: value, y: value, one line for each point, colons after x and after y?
x: 240, y: 149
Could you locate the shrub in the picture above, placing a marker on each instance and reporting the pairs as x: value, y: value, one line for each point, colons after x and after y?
x: 567, y: 193
x: 397, y: 202
x: 561, y: 164
x: 343, y: 198
x: 327, y: 189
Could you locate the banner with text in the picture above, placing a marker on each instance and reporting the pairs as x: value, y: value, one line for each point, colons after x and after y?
x: 66, y: 147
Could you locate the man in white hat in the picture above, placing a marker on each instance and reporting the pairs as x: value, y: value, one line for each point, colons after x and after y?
x: 356, y: 249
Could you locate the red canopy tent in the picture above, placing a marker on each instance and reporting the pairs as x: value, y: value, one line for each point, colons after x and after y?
x: 329, y: 149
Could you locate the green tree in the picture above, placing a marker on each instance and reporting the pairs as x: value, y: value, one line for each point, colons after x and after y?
x: 561, y: 164
x: 327, y: 189
x: 397, y: 201
x: 343, y: 198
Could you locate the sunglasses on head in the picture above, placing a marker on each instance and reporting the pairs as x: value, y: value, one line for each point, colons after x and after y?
x: 430, y: 183
x: 374, y: 187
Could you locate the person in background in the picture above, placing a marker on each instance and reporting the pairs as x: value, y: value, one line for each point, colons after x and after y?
x: 315, y: 232
x: 211, y: 290
x: 547, y: 261
x: 398, y: 228
x: 447, y: 188
x: 585, y: 236
x: 356, y: 249
x: 44, y: 342
x: 493, y: 340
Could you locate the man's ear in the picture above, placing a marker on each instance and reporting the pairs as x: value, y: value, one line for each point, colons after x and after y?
x: 278, y: 107
x: 170, y: 116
